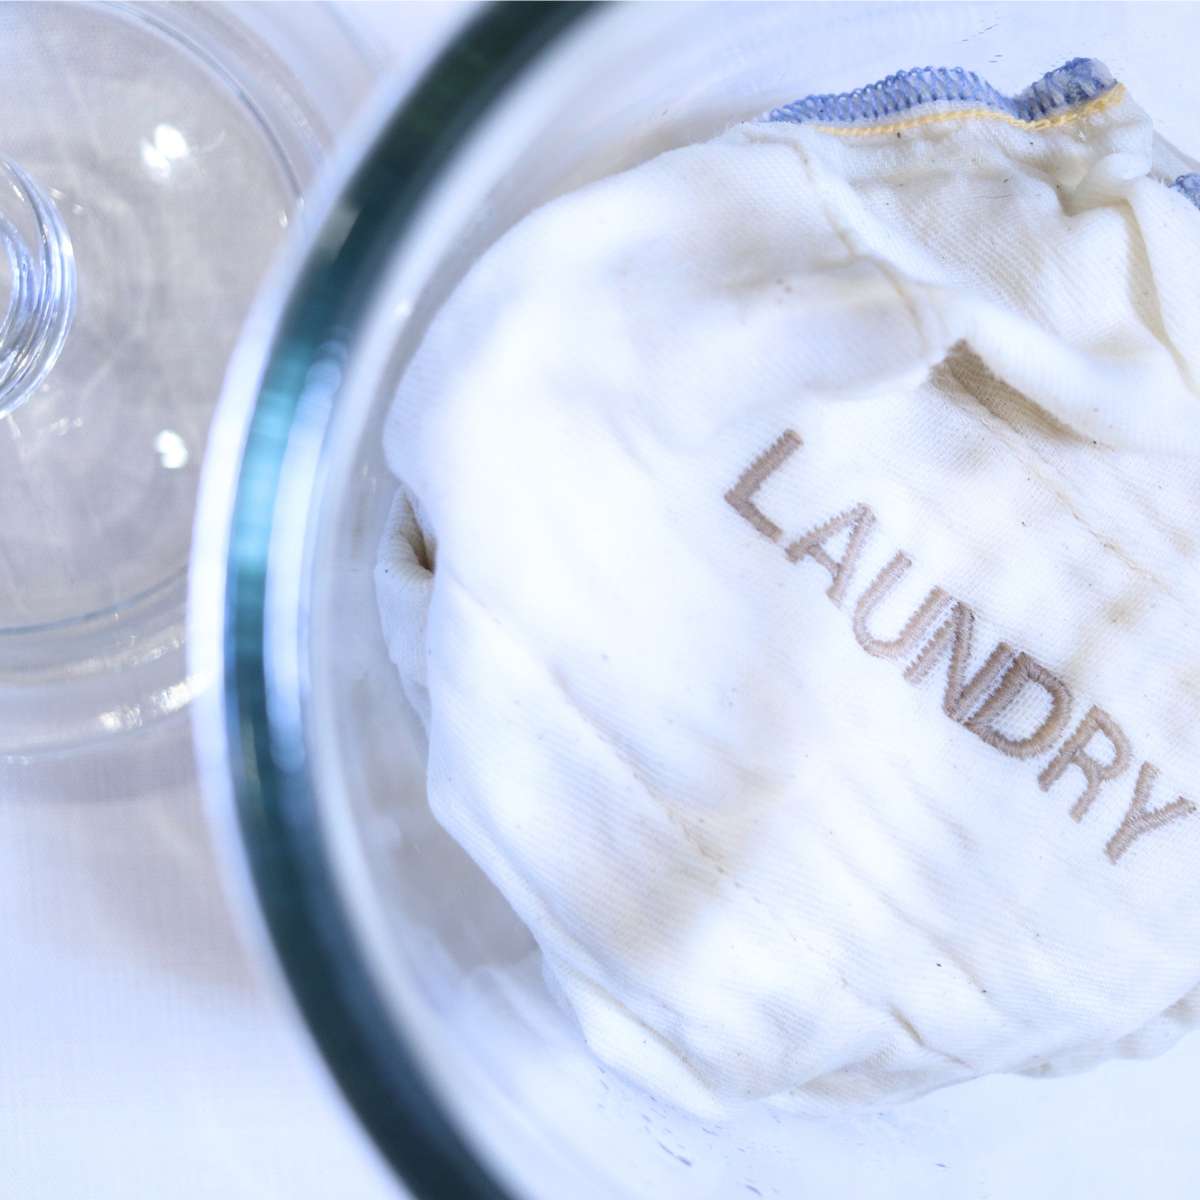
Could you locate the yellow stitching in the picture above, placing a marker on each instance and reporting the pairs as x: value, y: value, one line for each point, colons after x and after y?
x: 1099, y: 104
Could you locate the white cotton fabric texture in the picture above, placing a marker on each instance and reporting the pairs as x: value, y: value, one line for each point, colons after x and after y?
x: 809, y: 650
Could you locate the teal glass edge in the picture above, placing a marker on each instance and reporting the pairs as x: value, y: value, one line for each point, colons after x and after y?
x: 377, y: 1071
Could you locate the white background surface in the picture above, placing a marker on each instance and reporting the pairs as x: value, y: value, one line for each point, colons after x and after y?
x: 140, y: 1056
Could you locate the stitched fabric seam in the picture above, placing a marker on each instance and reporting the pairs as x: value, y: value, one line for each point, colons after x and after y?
x: 1066, y: 87
x: 1099, y: 104
x: 1079, y: 88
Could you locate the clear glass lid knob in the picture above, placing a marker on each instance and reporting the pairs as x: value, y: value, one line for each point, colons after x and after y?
x: 40, y: 281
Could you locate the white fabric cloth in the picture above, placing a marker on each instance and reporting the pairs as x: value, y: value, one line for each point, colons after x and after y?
x: 808, y: 652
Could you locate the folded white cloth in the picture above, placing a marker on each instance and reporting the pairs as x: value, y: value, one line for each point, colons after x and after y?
x: 810, y: 648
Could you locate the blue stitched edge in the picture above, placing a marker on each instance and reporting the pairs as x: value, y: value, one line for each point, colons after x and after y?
x: 1189, y: 186
x: 1073, y: 83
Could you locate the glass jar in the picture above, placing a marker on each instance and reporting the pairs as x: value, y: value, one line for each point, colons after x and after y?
x: 412, y: 972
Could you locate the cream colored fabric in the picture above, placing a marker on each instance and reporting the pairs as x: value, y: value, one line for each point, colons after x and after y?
x: 810, y: 647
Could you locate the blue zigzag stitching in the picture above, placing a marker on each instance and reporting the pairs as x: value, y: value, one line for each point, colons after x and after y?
x: 1073, y: 83
x: 1189, y: 185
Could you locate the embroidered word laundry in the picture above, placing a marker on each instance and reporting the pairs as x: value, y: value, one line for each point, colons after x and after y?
x: 941, y: 629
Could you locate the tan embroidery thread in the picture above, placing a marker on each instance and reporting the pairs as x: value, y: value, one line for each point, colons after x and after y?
x: 1138, y: 820
x: 961, y: 695
x: 741, y: 496
x: 860, y: 519
x: 1024, y: 670
x: 915, y: 628
x: 1074, y: 752
x: 997, y: 683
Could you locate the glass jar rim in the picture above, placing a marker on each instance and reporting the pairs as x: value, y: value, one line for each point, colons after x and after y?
x: 263, y: 800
